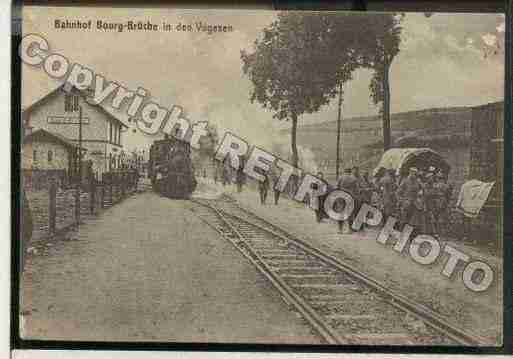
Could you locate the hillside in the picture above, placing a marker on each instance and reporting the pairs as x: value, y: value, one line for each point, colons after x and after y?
x: 405, y: 120
x: 438, y: 128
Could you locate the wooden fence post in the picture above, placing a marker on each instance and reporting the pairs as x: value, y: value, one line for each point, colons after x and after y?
x: 111, y: 189
x: 77, y: 204
x: 116, y: 186
x: 123, y: 185
x: 92, y: 194
x: 102, y: 196
x: 52, y: 207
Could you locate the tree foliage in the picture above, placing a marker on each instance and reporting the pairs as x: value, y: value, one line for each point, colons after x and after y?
x: 290, y: 67
x: 386, y: 32
x: 300, y: 62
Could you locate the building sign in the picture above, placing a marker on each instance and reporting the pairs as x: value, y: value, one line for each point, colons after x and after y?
x: 66, y: 120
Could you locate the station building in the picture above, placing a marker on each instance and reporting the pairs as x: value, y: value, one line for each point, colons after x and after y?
x: 57, y: 113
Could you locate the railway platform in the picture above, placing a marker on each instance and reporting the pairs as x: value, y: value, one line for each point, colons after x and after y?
x: 149, y: 270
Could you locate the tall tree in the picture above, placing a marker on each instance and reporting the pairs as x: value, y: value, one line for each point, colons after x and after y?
x: 385, y: 29
x: 291, y: 68
x: 302, y: 61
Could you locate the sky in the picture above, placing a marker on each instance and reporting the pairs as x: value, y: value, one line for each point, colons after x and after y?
x: 442, y: 62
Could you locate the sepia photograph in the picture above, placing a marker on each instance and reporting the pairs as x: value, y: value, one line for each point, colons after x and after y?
x: 261, y: 177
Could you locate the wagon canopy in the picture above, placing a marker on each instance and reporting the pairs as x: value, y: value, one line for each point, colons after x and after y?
x: 401, y: 159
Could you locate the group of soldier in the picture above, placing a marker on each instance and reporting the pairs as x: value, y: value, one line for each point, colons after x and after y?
x: 420, y: 198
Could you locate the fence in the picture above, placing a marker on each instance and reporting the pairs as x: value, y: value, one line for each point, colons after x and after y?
x: 59, y: 208
x: 38, y: 180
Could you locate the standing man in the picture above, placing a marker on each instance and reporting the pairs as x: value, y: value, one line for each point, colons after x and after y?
x: 359, y: 179
x: 348, y: 183
x: 274, y: 182
x: 216, y: 169
x: 442, y: 193
x: 358, y: 195
x: 366, y: 188
x: 225, y: 172
x: 387, y: 187
x: 319, y: 212
x: 407, y: 194
x: 240, y: 176
x: 263, y: 188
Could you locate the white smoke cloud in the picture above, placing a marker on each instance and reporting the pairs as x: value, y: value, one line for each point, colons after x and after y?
x: 307, y: 160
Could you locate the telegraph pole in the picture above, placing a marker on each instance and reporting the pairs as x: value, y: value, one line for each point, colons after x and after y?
x: 79, y: 182
x: 339, y: 125
x: 80, y: 142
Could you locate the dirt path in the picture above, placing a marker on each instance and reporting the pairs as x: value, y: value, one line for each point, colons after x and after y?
x: 148, y: 269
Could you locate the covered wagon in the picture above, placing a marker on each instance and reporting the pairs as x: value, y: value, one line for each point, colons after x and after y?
x: 402, y: 159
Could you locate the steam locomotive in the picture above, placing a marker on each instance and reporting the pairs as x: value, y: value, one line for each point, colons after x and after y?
x: 170, y: 168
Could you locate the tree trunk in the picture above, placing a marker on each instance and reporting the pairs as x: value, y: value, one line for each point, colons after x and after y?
x: 293, y: 141
x: 294, y: 180
x: 339, y: 126
x: 387, y: 138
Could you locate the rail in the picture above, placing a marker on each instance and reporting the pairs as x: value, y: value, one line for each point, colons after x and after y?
x: 256, y: 223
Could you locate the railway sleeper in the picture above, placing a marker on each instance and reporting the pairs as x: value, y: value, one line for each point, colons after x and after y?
x: 326, y: 297
x: 286, y: 256
x: 260, y: 239
x: 260, y: 248
x: 383, y: 338
x: 356, y: 306
x: 330, y: 286
x: 351, y: 317
x: 273, y: 251
x: 313, y: 279
x: 298, y: 269
x: 293, y: 262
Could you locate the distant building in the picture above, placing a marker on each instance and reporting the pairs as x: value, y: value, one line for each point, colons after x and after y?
x: 102, y: 128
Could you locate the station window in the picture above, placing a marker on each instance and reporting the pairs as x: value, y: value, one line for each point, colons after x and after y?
x: 71, y: 102
x: 50, y: 156
x: 34, y: 155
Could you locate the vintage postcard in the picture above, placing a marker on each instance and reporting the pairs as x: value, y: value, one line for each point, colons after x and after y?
x: 261, y: 177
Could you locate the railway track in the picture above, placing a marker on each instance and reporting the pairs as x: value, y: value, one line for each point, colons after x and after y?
x: 343, y: 305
